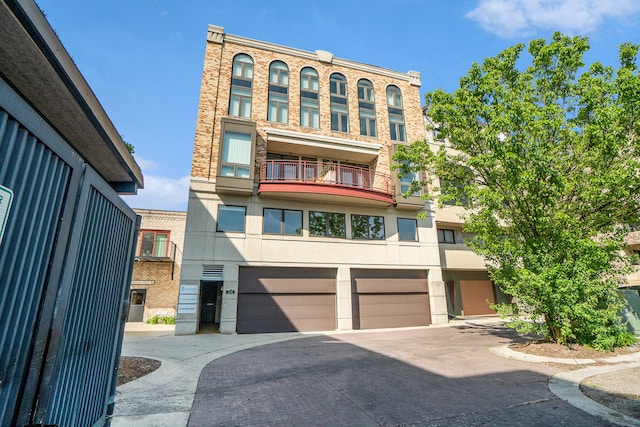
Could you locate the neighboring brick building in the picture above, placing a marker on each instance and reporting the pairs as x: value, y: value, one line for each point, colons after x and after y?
x: 296, y: 219
x: 156, y: 272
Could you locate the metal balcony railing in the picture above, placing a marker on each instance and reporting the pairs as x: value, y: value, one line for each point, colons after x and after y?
x: 326, y: 173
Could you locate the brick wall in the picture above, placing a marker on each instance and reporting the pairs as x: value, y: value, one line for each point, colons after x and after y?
x: 162, y: 296
x: 215, y: 92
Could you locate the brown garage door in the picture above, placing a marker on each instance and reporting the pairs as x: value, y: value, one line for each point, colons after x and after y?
x: 274, y: 299
x: 476, y: 297
x: 391, y: 303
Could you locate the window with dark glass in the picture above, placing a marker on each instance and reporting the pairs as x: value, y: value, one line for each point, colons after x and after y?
x: 282, y: 221
x: 446, y: 236
x: 408, y: 229
x: 231, y: 218
x: 241, y: 86
x: 309, y: 104
x: 366, y: 105
x: 367, y: 227
x: 339, y: 104
x: 153, y: 243
x: 278, y: 110
x: 327, y: 224
x: 396, y: 114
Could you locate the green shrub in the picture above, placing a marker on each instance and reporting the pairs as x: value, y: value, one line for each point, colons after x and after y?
x: 167, y: 320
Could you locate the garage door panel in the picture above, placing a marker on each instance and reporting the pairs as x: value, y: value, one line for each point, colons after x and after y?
x: 390, y: 285
x: 393, y: 321
x: 285, y: 325
x: 476, y: 297
x: 263, y: 313
x: 256, y: 280
x: 393, y: 310
x: 260, y: 307
x: 389, y: 305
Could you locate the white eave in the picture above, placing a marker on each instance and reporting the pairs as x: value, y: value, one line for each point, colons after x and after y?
x: 356, y: 150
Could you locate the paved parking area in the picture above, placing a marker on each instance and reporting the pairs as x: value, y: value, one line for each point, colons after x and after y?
x: 430, y: 376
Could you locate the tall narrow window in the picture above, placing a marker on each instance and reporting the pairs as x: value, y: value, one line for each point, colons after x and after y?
x: 366, y: 105
x: 339, y: 104
x: 236, y: 155
x: 278, y: 93
x: 406, y: 183
x: 241, y: 86
x: 396, y: 114
x: 309, y: 106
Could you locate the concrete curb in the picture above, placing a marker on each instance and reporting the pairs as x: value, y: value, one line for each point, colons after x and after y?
x: 566, y: 385
x: 505, y: 351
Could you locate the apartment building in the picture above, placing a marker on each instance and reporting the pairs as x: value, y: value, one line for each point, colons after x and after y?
x: 156, y: 270
x: 296, y: 219
x: 468, y: 287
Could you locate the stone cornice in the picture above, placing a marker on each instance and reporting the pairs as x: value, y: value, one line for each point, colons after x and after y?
x: 216, y: 35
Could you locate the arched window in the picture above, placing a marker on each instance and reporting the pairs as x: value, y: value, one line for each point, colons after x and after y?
x: 366, y: 105
x: 396, y: 114
x: 278, y: 92
x: 241, y: 86
x: 339, y: 104
x: 309, y: 104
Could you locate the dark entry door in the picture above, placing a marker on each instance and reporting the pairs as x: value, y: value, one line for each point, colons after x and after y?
x: 136, y: 305
x: 209, y: 297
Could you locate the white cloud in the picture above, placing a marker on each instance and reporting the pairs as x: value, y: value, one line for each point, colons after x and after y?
x: 146, y: 165
x: 161, y: 193
x: 511, y: 18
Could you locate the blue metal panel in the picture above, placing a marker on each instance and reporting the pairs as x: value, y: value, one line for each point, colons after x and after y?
x: 65, y: 267
x: 85, y: 347
x: 39, y: 179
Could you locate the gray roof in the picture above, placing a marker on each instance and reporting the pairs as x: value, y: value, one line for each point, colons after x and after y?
x: 36, y: 64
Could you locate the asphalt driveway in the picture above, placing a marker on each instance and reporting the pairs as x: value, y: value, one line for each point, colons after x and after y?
x: 431, y: 376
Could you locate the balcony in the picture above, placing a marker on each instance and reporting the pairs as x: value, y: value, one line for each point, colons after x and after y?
x: 325, y: 182
x: 170, y: 255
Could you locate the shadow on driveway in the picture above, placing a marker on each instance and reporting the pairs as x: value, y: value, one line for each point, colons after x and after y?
x: 435, y: 377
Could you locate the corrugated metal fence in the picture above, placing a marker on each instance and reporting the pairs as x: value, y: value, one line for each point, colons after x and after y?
x: 65, y: 268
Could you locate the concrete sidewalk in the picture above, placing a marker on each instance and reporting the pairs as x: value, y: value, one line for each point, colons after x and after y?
x: 165, y: 397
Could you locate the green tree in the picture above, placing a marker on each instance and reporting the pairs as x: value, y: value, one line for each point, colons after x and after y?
x: 545, y: 156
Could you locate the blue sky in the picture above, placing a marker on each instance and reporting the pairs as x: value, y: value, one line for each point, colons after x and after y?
x: 143, y: 58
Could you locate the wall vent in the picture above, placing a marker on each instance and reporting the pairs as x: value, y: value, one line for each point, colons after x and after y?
x: 211, y: 272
